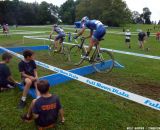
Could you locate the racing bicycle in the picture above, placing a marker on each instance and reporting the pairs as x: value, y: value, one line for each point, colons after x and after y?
x: 101, y: 59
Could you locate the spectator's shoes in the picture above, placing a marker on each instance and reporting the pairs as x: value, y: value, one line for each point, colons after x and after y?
x: 11, y: 86
x: 21, y: 104
x: 26, y: 118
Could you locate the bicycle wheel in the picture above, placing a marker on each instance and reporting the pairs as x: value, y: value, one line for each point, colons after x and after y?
x: 66, y: 54
x: 51, y: 49
x: 103, y: 62
x: 75, y: 55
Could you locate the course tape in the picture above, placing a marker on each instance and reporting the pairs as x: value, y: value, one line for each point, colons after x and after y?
x: 23, y: 33
x: 116, y: 51
x: 119, y: 92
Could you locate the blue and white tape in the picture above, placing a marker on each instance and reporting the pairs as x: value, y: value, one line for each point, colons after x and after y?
x: 116, y: 51
x: 122, y: 93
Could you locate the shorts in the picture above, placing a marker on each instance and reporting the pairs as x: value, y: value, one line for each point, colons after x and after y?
x: 99, y: 33
x: 7, y: 84
x: 127, y: 40
x: 141, y: 39
x: 60, y: 37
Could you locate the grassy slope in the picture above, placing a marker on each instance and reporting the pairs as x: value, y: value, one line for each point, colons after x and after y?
x: 88, y: 108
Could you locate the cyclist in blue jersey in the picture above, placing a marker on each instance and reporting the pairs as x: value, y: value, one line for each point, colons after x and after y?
x: 97, y: 32
x: 60, y: 37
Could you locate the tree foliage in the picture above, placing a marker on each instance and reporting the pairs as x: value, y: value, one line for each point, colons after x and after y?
x: 67, y: 12
x: 142, y: 18
x: 18, y: 12
x: 110, y: 12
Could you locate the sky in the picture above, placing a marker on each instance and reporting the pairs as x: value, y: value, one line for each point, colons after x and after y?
x: 134, y: 5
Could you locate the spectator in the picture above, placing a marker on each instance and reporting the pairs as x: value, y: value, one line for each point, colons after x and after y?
x: 141, y: 39
x: 6, y: 80
x: 27, y: 68
x: 44, y: 110
x: 148, y: 33
x: 123, y: 30
x: 128, y: 37
x: 158, y: 36
x: 5, y: 29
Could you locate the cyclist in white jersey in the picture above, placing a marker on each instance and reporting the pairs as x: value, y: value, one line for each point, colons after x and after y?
x: 60, y: 37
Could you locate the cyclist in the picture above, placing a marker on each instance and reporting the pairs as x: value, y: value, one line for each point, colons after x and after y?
x: 60, y: 37
x: 97, y: 31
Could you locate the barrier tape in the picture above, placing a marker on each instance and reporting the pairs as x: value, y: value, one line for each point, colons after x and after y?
x: 116, y: 51
x: 119, y: 92
x: 21, y: 33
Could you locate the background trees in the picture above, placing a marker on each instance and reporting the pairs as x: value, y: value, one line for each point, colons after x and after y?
x: 18, y: 12
x: 110, y: 12
x: 142, y: 18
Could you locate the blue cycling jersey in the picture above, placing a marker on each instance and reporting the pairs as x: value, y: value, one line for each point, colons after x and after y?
x: 92, y: 24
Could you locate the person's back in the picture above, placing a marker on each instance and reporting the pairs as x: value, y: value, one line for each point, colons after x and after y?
x: 141, y: 36
x: 6, y: 80
x: 93, y: 24
x: 58, y: 30
x: 4, y: 72
x: 47, y: 108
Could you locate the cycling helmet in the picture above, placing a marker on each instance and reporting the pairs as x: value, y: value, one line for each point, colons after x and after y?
x: 84, y: 19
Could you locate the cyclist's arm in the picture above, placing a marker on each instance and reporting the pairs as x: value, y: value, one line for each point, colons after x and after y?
x: 50, y: 36
x: 81, y: 32
x: 91, y: 33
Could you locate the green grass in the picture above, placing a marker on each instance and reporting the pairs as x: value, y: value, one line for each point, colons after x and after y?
x: 88, y: 108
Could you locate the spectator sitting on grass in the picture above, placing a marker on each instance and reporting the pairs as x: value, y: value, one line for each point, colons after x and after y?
x: 46, y: 109
x: 6, y: 80
x: 27, y: 68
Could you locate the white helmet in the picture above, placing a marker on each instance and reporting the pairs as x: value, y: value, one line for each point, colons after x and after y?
x: 84, y: 19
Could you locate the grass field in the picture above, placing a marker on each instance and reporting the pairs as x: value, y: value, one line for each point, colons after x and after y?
x: 88, y: 108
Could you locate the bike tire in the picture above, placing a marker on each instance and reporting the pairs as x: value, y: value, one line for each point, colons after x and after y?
x: 100, y: 64
x: 66, y: 54
x: 51, y: 49
x: 75, y: 55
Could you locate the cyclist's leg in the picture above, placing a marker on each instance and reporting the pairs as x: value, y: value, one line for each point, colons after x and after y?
x: 61, y: 44
x: 92, y: 43
x: 97, y: 36
x: 56, y: 42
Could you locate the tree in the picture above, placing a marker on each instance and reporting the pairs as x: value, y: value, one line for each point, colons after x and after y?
x: 110, y: 12
x: 146, y: 15
x: 18, y: 12
x: 67, y: 12
x: 136, y: 17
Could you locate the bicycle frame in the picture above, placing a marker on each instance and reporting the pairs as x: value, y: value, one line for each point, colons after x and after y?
x: 96, y: 51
